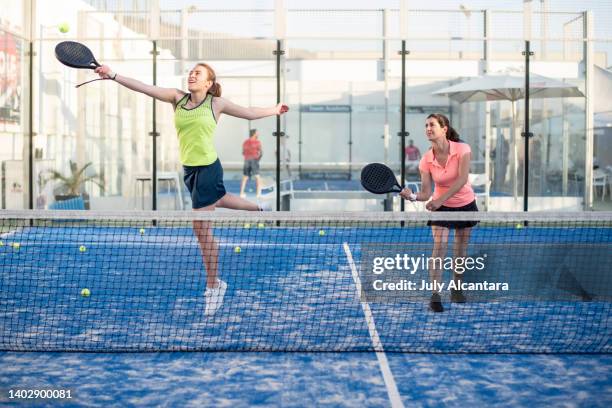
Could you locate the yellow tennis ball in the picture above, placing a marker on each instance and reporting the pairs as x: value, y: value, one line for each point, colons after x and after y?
x: 85, y: 292
x: 82, y: 248
x: 1, y: 243
x: 247, y: 225
x: 261, y: 225
x: 237, y: 250
x: 64, y: 27
x: 142, y: 231
x: 321, y: 232
x: 519, y: 225
x: 16, y: 245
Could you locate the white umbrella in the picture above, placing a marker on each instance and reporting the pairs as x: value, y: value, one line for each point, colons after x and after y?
x: 509, y: 87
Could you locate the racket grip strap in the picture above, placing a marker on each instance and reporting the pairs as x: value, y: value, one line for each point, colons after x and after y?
x: 412, y: 197
x: 93, y: 80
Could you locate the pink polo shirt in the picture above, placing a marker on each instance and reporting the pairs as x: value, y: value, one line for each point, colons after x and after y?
x: 444, y: 177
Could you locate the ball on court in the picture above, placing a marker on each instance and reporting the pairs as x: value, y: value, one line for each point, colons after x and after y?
x: 247, y: 225
x: 519, y: 225
x: 321, y: 232
x: 16, y: 245
x: 85, y: 292
x: 64, y: 27
x: 82, y: 248
x: 142, y: 231
x: 1, y: 244
x: 261, y: 225
x: 237, y: 250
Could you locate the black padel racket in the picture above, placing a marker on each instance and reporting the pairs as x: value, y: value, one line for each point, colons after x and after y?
x: 76, y: 55
x: 380, y: 179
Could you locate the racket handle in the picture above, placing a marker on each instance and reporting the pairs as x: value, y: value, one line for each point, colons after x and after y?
x: 97, y: 79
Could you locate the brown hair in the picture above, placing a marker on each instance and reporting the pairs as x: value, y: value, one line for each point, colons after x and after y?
x: 215, y: 88
x: 451, y: 134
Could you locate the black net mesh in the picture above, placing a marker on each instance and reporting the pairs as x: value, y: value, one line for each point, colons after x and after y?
x: 302, y: 282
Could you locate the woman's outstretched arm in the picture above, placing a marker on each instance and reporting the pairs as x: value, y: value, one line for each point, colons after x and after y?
x: 170, y: 95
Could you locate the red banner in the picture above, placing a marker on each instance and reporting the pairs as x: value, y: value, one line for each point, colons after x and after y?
x: 10, y: 75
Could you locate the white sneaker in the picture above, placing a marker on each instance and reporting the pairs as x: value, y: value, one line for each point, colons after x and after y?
x: 214, y: 298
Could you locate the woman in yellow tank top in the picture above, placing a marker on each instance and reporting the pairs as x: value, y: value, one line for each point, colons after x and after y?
x: 196, y: 114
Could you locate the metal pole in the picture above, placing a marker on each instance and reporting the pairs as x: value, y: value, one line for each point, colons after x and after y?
x: 300, y: 132
x: 278, y: 132
x: 515, y: 150
x: 350, y: 135
x: 31, y: 127
x: 403, y: 123
x: 388, y: 206
x: 280, y: 24
x: 565, y: 150
x: 526, y: 134
x: 487, y: 169
x: 589, y: 55
x: 154, y: 133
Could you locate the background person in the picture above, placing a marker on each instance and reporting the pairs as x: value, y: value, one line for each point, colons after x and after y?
x: 252, y: 152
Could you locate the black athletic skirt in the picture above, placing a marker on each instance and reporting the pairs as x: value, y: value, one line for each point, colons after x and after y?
x: 205, y: 184
x: 456, y: 224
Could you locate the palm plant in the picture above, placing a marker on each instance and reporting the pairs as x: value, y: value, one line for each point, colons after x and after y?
x: 72, y: 183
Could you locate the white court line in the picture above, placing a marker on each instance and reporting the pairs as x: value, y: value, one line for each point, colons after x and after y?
x: 392, y: 391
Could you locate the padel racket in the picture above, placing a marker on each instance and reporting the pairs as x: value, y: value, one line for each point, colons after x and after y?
x: 380, y: 179
x: 76, y: 55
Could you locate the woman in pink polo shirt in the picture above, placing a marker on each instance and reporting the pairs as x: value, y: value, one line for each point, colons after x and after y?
x: 447, y: 163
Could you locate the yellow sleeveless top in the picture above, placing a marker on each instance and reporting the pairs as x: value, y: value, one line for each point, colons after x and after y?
x: 195, y: 129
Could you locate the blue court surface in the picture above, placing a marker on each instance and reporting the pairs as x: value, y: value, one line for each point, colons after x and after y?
x: 295, y: 290
x: 310, y: 379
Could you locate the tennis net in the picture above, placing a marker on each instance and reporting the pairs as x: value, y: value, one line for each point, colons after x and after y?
x: 90, y: 281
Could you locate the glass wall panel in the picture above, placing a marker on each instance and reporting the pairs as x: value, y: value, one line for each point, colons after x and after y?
x: 100, y: 129
x: 602, y: 126
x: 171, y: 73
x: 558, y: 147
x: 14, y: 132
x: 507, y: 119
x: 347, y: 115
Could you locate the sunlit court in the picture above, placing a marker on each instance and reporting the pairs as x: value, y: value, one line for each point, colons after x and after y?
x: 290, y: 203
